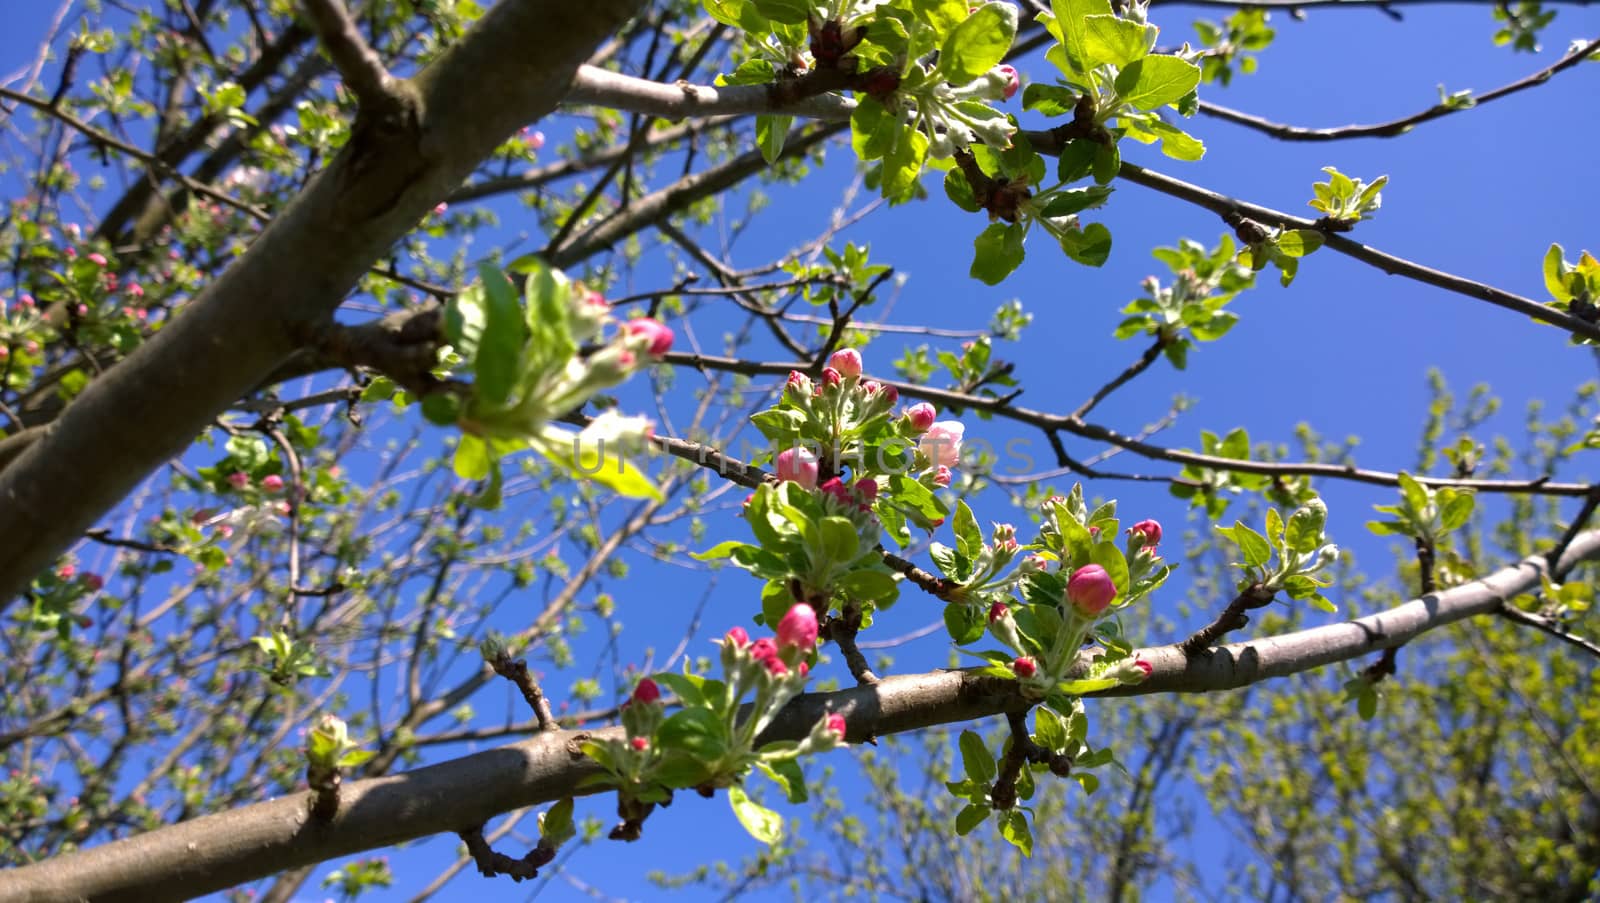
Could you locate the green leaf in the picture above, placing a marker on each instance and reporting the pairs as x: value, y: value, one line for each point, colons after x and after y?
x: 1014, y: 828
x: 1155, y: 81
x: 976, y: 758
x: 874, y: 131
x: 498, y: 362
x: 585, y: 460
x: 1077, y: 160
x: 763, y: 824
x: 1255, y: 549
x: 1109, y: 39
x: 1074, y: 200
x: 998, y: 252
x: 1090, y: 245
x: 556, y: 827
x: 1069, y: 20
x: 965, y: 623
x: 1086, y: 685
x: 696, y: 731
x: 1107, y: 162
x: 959, y: 191
x: 970, y: 817
x: 1454, y: 508
x: 1305, y: 528
x: 771, y: 131
x: 979, y: 43
x: 1049, y: 730
x: 720, y: 551
x: 786, y: 774
x: 1299, y: 242
x: 789, y: 12
x: 969, y: 539
x: 472, y: 458
x: 1554, y: 265
x: 869, y: 586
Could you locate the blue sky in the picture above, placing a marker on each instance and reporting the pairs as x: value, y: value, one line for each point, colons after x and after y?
x: 1346, y: 349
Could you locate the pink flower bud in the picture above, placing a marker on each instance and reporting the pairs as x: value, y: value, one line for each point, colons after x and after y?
x: 798, y: 628
x: 1090, y: 590
x: 439, y: 209
x: 639, y: 743
x: 891, y: 395
x: 1013, y: 82
x: 1005, y: 533
x: 797, y: 465
x: 272, y: 483
x: 238, y: 479
x: 1025, y: 667
x: 867, y: 490
x: 997, y: 611
x: 94, y: 582
x: 942, y: 443
x: 737, y: 637
x: 763, y: 649
x: 97, y: 259
x: 836, y: 489
x: 1034, y: 564
x: 836, y: 725
x: 921, y: 416
x: 799, y: 383
x: 646, y: 691
x: 66, y: 572
x: 656, y: 336
x: 831, y: 377
x: 1145, y: 533
x: 1144, y: 666
x: 804, y: 669
x: 134, y: 290
x: 775, y: 666
x: 847, y: 361
x: 941, y: 477
x: 533, y: 140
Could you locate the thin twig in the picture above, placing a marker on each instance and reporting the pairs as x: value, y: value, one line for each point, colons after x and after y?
x: 842, y: 631
x: 517, y: 672
x: 491, y: 863
x: 1546, y: 625
x: 1404, y: 124
x: 1232, y: 618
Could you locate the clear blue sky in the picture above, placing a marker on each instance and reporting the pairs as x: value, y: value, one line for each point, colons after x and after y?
x: 1346, y: 348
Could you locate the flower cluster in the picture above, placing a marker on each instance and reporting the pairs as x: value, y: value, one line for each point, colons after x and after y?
x: 529, y: 370
x: 710, y: 742
x: 847, y: 423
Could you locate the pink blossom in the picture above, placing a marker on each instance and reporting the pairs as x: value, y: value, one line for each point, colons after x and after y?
x: 920, y: 416
x: 646, y: 692
x: 847, y: 361
x: 867, y: 489
x: 134, y: 290
x: 831, y: 377
x: 1090, y: 590
x: 799, y: 384
x: 775, y: 666
x: 533, y: 140
x: 1144, y: 666
x: 238, y: 479
x: 656, y: 336
x: 639, y: 743
x: 440, y: 208
x: 836, y: 725
x: 803, y: 668
x: 1146, y: 533
x: 799, y: 466
x: 737, y: 637
x: 763, y: 649
x: 891, y: 395
x: 66, y: 572
x: 1013, y: 83
x: 272, y: 483
x: 941, y: 477
x: 997, y: 611
x: 798, y: 628
x: 835, y: 487
x: 942, y: 443
x: 1025, y: 667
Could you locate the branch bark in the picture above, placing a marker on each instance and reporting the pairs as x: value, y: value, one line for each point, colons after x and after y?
x: 293, y: 277
x: 216, y: 851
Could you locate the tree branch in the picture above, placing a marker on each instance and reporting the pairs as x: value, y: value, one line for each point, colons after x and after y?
x: 293, y: 275
x: 1395, y: 127
x: 212, y: 852
x: 358, y: 64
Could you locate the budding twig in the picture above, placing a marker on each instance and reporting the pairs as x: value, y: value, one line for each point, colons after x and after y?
x: 358, y: 64
x: 842, y: 630
x: 491, y: 863
x: 1232, y: 618
x: 1022, y: 751
x: 517, y: 672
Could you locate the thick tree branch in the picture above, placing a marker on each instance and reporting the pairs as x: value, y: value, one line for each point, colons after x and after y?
x: 293, y: 276
x: 363, y: 72
x: 213, y: 852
